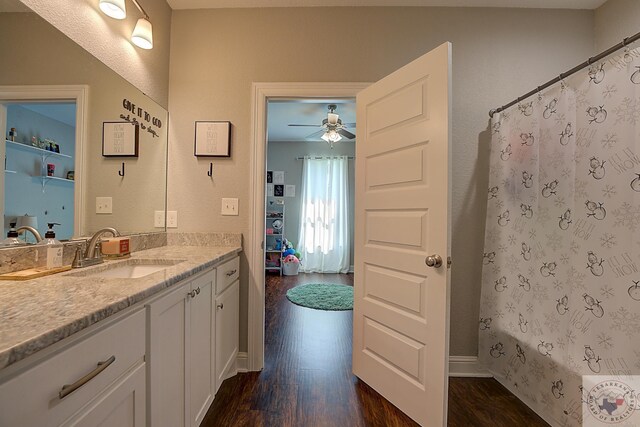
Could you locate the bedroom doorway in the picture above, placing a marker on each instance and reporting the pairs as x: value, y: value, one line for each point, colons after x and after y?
x: 309, y: 186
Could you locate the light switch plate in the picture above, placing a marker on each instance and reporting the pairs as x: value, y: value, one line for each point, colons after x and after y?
x: 229, y: 206
x: 172, y: 219
x: 104, y: 205
x: 158, y: 219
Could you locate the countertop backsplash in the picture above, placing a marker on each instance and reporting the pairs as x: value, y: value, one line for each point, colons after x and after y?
x: 32, y: 256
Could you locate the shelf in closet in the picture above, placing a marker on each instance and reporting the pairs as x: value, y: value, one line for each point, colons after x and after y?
x: 37, y: 150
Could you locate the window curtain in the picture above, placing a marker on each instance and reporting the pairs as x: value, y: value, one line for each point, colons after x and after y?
x: 324, y: 222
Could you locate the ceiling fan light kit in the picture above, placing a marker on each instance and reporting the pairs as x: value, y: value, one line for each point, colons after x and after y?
x: 333, y: 130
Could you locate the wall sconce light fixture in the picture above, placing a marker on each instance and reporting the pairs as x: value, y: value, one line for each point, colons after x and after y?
x: 142, y: 35
x: 114, y: 8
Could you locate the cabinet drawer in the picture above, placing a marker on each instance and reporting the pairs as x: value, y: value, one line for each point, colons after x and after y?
x: 227, y: 273
x: 32, y: 398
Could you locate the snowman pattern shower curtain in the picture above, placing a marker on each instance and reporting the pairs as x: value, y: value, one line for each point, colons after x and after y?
x: 561, y: 263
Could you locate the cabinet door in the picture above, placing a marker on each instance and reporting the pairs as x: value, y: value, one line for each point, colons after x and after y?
x: 227, y: 327
x: 201, y: 347
x: 123, y: 405
x: 168, y: 341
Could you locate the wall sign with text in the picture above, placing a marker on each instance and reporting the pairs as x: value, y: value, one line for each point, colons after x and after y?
x: 213, y: 139
x: 120, y: 139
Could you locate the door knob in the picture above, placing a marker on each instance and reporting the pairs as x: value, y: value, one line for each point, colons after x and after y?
x: 433, y: 261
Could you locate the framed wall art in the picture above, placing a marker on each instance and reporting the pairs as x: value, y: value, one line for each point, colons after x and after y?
x: 212, y: 139
x: 120, y: 139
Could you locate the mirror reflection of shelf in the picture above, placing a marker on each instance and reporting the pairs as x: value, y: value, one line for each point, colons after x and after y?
x: 45, y: 180
x: 37, y: 150
x: 45, y: 177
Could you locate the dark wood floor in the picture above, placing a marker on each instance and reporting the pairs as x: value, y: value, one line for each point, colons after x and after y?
x: 307, y: 378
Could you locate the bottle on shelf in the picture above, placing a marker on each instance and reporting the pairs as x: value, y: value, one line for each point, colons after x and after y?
x: 54, y: 247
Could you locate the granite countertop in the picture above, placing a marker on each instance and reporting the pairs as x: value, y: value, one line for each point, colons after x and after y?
x: 40, y: 312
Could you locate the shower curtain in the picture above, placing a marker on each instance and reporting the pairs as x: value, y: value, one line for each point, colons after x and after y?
x: 561, y: 279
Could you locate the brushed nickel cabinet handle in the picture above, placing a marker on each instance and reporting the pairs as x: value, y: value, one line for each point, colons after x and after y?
x: 220, y: 306
x: 192, y: 294
x: 198, y: 290
x: 67, y: 389
x: 232, y: 272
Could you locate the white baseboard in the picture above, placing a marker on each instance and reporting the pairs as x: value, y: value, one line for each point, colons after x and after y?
x: 242, y: 362
x: 466, y: 366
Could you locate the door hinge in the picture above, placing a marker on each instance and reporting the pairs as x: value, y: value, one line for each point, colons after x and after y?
x: 448, y: 262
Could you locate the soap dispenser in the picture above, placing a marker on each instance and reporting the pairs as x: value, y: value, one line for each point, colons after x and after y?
x: 12, y: 236
x: 54, y: 247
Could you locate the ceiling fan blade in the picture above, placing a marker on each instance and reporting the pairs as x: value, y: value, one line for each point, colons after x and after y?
x: 349, y: 125
x: 346, y: 133
x: 313, y: 126
x: 315, y: 136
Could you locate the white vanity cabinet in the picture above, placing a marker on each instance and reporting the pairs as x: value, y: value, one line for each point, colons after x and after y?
x: 193, y: 345
x: 97, y: 378
x: 157, y: 363
x: 182, y: 353
x: 227, y: 318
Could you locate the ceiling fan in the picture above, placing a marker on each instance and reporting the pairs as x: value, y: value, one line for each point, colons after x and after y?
x: 332, y: 128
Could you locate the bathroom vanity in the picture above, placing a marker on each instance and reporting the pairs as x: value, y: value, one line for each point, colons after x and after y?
x: 117, y: 344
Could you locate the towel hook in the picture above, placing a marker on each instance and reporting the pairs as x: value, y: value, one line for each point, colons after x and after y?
x: 210, y: 172
x: 121, y: 172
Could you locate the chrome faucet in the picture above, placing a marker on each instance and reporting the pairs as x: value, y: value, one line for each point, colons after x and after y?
x: 33, y: 231
x: 92, y: 254
x: 93, y: 243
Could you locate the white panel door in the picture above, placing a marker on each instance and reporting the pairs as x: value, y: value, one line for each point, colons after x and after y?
x: 401, y: 307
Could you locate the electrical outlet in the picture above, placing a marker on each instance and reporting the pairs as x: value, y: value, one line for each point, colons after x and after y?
x: 104, y: 205
x: 158, y: 219
x: 229, y: 207
x: 172, y: 219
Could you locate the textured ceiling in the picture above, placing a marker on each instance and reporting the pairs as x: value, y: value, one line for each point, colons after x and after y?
x: 542, y: 4
x: 307, y: 112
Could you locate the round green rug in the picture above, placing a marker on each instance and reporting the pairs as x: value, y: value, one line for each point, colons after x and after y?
x: 322, y: 296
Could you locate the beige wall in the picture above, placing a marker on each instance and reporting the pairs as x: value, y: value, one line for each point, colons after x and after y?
x: 48, y: 57
x: 498, y: 54
x: 108, y: 39
x: 615, y: 20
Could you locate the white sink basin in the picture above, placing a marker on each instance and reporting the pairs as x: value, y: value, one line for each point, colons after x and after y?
x: 131, y: 269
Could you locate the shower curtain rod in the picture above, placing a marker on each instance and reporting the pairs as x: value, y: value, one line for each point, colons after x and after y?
x: 328, y: 157
x: 566, y: 74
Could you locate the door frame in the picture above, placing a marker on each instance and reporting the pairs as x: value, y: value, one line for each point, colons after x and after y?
x: 79, y: 94
x: 261, y: 93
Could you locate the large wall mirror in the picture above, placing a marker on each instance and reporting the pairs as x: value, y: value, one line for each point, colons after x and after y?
x: 82, y: 147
